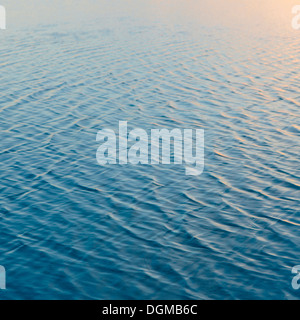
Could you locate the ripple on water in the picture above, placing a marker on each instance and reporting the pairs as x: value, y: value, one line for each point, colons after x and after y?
x: 73, y: 229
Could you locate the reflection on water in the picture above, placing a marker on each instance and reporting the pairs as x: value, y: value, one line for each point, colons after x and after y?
x: 73, y: 229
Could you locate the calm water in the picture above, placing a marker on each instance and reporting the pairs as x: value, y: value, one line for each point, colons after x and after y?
x: 71, y: 229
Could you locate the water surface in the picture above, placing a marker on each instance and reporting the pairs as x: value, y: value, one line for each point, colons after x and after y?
x: 71, y: 229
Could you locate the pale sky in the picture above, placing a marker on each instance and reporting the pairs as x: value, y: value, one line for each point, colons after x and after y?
x: 214, y: 11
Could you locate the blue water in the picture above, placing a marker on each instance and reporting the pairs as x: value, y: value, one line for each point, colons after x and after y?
x: 71, y: 229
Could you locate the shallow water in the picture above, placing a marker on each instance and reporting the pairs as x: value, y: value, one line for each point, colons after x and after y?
x: 71, y: 229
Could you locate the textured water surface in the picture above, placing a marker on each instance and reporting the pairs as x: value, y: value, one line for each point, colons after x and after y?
x: 72, y: 229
